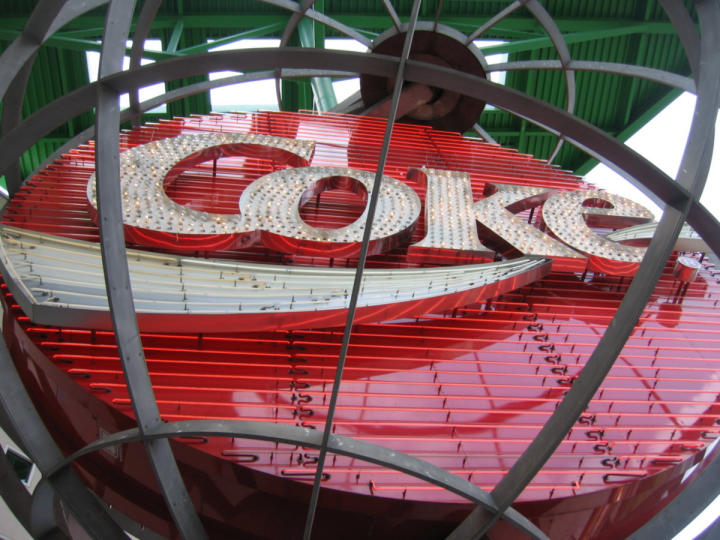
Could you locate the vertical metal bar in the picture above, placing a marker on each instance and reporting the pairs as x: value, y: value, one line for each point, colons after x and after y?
x: 11, y: 116
x: 117, y: 276
x: 685, y: 30
x: 555, y: 35
x: 374, y: 196
x: 292, y: 23
x: 393, y: 14
x: 312, y: 35
x: 495, y: 19
x: 142, y: 31
x: 175, y: 36
x: 692, y: 175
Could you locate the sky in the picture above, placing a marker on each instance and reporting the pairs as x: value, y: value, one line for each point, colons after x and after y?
x: 662, y: 141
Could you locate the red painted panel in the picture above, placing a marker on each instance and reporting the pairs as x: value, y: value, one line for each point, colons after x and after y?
x: 464, y: 388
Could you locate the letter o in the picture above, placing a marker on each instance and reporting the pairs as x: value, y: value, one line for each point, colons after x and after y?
x: 271, y: 204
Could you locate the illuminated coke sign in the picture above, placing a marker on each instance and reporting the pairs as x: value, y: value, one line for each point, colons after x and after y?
x: 59, y: 281
x: 258, y: 342
x: 454, y: 215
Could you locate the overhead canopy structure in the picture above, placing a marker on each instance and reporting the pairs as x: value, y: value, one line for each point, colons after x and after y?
x: 548, y: 61
x: 589, y: 73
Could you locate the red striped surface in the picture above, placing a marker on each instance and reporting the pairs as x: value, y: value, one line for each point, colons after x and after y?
x: 466, y: 390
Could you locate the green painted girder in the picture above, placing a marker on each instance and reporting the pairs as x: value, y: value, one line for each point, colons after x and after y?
x: 175, y: 37
x: 62, y: 40
x: 576, y: 31
x: 312, y: 35
x: 199, y: 103
x: 297, y: 94
x: 513, y: 133
x: 369, y: 22
x: 93, y: 33
x: 263, y: 31
x: 75, y: 44
x: 638, y: 36
x: 570, y: 38
x: 641, y: 49
x: 517, y: 24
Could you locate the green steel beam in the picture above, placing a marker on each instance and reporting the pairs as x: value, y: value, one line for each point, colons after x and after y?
x: 575, y: 31
x: 95, y: 33
x: 371, y: 22
x: 524, y: 24
x: 248, y: 34
x: 313, y: 35
x: 297, y: 94
x: 74, y: 44
x: 167, y: 22
x: 524, y: 31
x: 574, y: 37
x: 175, y: 37
x: 499, y: 31
x: 199, y: 103
x: 513, y: 133
x: 641, y: 51
x: 65, y: 87
x: 367, y: 33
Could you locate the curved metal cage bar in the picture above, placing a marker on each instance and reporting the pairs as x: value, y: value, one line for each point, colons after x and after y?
x: 337, y: 444
x: 117, y: 276
x: 589, y: 138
